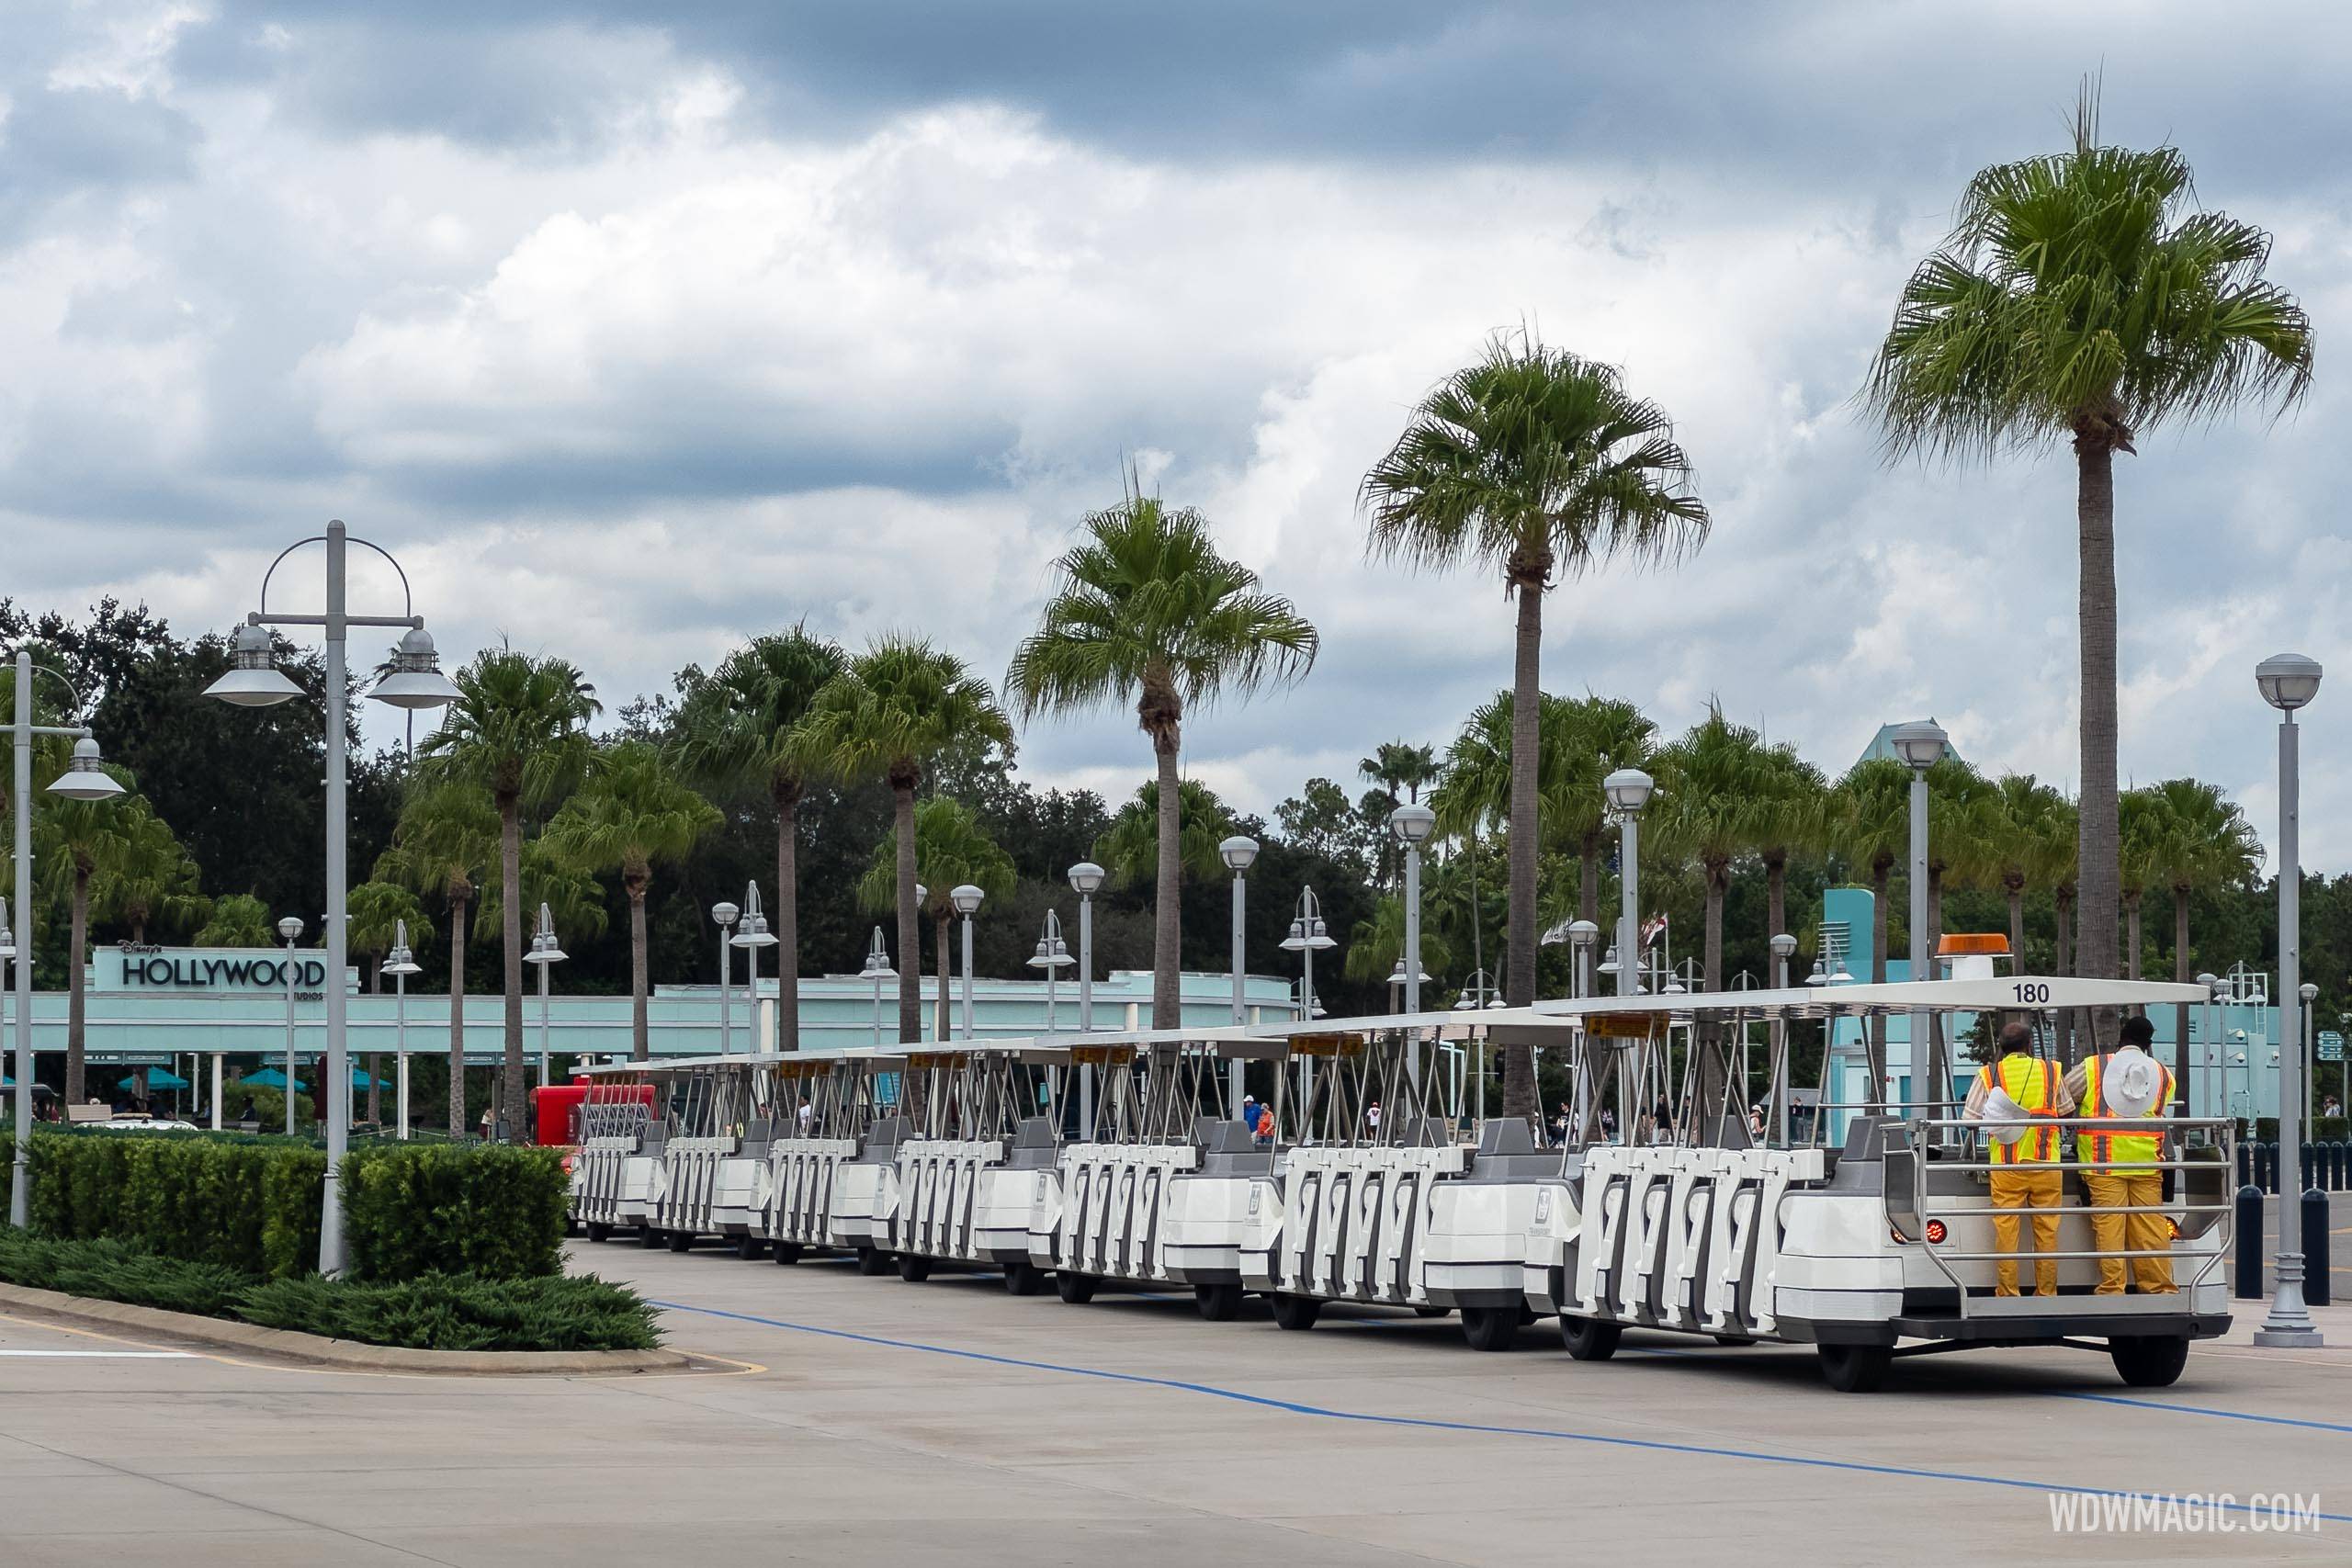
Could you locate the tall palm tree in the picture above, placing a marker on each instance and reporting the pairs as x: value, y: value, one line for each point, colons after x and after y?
x: 519, y: 731
x: 1396, y: 765
x: 1873, y: 827
x: 1538, y: 465
x: 631, y: 811
x: 2141, y: 832
x: 1144, y: 610
x: 2020, y: 821
x: 373, y: 923
x: 888, y: 715
x: 239, y: 920
x: 734, y: 728
x: 75, y: 843
x: 2081, y: 296
x: 950, y: 849
x: 2207, y: 845
x: 446, y: 835
x: 1129, y: 847
x: 152, y: 879
x: 1788, y: 814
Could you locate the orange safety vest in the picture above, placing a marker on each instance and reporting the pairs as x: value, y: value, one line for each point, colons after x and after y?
x: 2032, y: 1083
x: 2120, y: 1148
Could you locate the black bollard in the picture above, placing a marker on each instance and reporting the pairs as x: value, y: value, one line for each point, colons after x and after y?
x: 2314, y: 1247
x: 2262, y: 1167
x: 2246, y: 1164
x: 2336, y: 1166
x: 2249, y: 1283
x: 2307, y: 1164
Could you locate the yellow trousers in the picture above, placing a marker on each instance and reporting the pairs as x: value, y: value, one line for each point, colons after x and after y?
x: 2040, y: 1188
x: 2148, y: 1232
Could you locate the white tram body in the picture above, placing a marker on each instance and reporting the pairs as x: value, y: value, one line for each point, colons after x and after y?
x: 816, y: 1190
x: 952, y: 1191
x: 619, y: 1148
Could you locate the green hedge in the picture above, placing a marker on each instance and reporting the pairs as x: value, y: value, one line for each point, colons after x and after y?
x: 435, y: 1311
x: 251, y: 1204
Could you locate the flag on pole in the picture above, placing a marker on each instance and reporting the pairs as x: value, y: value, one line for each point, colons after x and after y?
x: 1653, y: 929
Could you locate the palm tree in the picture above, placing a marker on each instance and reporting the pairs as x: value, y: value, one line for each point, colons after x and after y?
x: 447, y: 833
x: 632, y: 811
x: 375, y: 912
x: 238, y: 920
x: 1538, y: 465
x: 950, y: 849
x: 1873, y: 812
x: 1376, y: 944
x: 150, y: 878
x: 888, y: 715
x: 2141, y: 832
x: 1395, y: 767
x: 74, y: 841
x: 734, y: 728
x: 2081, y: 296
x: 2021, y: 820
x: 2207, y: 844
x: 1146, y: 612
x: 1788, y: 814
x: 1129, y: 847
x: 518, y: 730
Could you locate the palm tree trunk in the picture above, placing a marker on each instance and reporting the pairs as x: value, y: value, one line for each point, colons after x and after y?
x: 2063, y: 907
x: 2017, y: 926
x: 75, y: 1001
x: 375, y: 1101
x: 1167, y: 923
x: 2180, y: 1013
x: 2099, y: 834
x: 510, y: 879
x: 1519, y: 939
x: 910, y: 940
x: 1876, y: 1088
x: 458, y: 1019
x: 2131, y: 936
x: 640, y: 1039
x: 941, y: 1022
x: 787, y: 919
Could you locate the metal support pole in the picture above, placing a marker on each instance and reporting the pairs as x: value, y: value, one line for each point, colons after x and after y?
x: 1085, y: 1009
x: 546, y: 1062
x: 1412, y: 928
x: 750, y: 1000
x: 290, y: 1037
x: 1920, y: 1063
x: 21, y: 743
x: 726, y: 995
x: 400, y: 1043
x: 1629, y: 918
x: 968, y: 977
x: 1240, y: 898
x: 2290, y: 1322
x: 216, y: 1092
x: 337, y: 1064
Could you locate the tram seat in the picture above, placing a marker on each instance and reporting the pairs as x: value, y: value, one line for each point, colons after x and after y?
x: 1506, y: 1135
x: 1034, y: 1132
x: 1424, y: 1133
x: 1222, y: 1136
x: 1731, y: 1133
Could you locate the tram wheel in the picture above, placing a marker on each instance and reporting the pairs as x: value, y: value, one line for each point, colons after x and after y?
x: 1297, y: 1312
x: 2149, y: 1361
x: 788, y: 1252
x: 870, y: 1262
x: 1855, y: 1369
x: 681, y: 1240
x: 748, y: 1247
x: 1590, y: 1338
x: 598, y: 1230
x: 648, y: 1238
x: 914, y: 1270
x: 1432, y: 1312
x: 1076, y: 1289
x: 1218, y: 1303
x: 1023, y: 1277
x: 1490, y: 1328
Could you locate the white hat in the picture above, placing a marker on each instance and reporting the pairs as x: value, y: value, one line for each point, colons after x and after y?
x: 2005, y: 1120
x: 2131, y: 1083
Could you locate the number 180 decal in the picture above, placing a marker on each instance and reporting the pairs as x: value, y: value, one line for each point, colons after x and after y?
x: 2032, y: 991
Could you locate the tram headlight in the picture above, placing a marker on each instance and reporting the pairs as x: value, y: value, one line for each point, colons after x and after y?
x: 1254, y: 1191
x: 1935, y: 1233
x: 1543, y: 1204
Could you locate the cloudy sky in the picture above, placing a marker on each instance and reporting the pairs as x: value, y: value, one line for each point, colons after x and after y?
x: 635, y: 330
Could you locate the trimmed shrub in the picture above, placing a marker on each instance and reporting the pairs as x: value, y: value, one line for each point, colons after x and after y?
x: 438, y: 1312
x: 416, y: 1209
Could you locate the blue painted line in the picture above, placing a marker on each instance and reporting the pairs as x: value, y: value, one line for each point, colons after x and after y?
x: 1295, y: 1407
x: 2207, y: 1410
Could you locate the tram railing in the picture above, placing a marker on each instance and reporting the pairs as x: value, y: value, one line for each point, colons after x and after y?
x: 2190, y: 1218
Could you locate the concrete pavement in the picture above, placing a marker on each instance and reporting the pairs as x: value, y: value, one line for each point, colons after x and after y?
x: 871, y: 1421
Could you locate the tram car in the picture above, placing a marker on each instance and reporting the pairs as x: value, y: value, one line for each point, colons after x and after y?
x: 950, y: 1193
x: 820, y: 1185
x: 620, y: 1137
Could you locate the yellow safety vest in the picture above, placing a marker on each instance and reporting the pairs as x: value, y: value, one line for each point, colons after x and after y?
x: 2032, y: 1083
x: 2120, y: 1148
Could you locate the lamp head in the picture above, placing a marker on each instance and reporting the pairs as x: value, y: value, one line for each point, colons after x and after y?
x: 1238, y: 852
x: 1783, y: 945
x: 252, y: 681
x: 2308, y: 992
x: 85, y: 777
x: 1412, y: 823
x: 966, y: 898
x: 1583, y: 934
x: 2287, y: 681
x: 1628, y: 790
x: 1608, y: 960
x: 1297, y: 937
x: 1921, y: 745
x: 724, y: 913
x: 416, y: 681
x: 289, y: 929
x: 1086, y: 877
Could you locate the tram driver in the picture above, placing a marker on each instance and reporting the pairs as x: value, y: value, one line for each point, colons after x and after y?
x: 2026, y: 1174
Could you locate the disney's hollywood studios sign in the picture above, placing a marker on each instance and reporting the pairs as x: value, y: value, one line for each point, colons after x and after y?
x: 135, y: 968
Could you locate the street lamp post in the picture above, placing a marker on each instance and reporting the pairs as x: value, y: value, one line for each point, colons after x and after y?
x: 967, y: 899
x: 1628, y: 790
x: 1238, y: 852
x: 1412, y: 824
x: 723, y: 915
x: 1308, y: 936
x: 1052, y: 957
x: 289, y: 931
x: 545, y: 954
x: 415, y: 682
x: 84, y: 778
x: 399, y: 964
x: 1784, y: 947
x: 754, y: 936
x: 2309, y: 993
x: 877, y: 969
x: 1582, y: 936
x: 1085, y: 880
x: 2287, y: 681
x: 1921, y: 747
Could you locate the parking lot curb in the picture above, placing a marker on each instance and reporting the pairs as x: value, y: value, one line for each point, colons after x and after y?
x: 321, y: 1350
